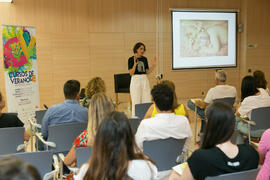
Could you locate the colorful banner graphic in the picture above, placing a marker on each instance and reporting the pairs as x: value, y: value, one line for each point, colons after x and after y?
x: 20, y: 68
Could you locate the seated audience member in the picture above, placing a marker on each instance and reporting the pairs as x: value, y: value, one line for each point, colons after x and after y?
x: 218, y: 155
x: 221, y: 90
x: 13, y: 168
x: 251, y: 98
x: 10, y: 120
x: 261, y: 83
x: 115, y: 154
x: 165, y: 124
x: 264, y: 150
x: 178, y: 109
x: 100, y: 105
x: 94, y: 86
x: 67, y: 112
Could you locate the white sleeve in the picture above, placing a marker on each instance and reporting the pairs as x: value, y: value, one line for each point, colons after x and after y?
x: 245, y: 107
x: 142, y: 170
x: 209, y: 96
x: 82, y: 172
x: 140, y: 135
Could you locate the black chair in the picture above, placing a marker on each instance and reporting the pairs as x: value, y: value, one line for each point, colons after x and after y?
x: 134, y: 124
x: 10, y: 139
x: 164, y: 152
x: 228, y: 100
x: 141, y: 109
x: 62, y: 136
x: 83, y: 154
x: 259, y: 120
x: 121, y: 85
x: 42, y: 161
x: 243, y: 175
x: 39, y: 116
x: 13, y: 113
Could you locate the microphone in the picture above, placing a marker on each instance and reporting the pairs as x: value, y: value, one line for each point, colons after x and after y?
x: 46, y: 107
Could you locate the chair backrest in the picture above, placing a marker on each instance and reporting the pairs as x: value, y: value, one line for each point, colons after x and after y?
x: 141, y: 109
x: 122, y: 83
x: 243, y: 175
x: 234, y: 136
x: 83, y: 154
x: 228, y: 100
x: 262, y: 118
x: 12, y: 113
x: 63, y: 135
x: 164, y: 152
x: 134, y: 124
x: 10, y: 138
x: 39, y: 116
x: 42, y: 160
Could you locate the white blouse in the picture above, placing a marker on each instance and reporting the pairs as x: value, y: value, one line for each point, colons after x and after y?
x: 137, y: 170
x: 253, y: 102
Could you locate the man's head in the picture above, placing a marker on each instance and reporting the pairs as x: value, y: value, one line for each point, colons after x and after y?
x: 163, y: 97
x: 72, y: 89
x: 221, y: 76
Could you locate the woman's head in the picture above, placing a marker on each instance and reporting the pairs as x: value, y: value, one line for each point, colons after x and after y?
x: 139, y: 48
x: 113, y: 148
x: 100, y: 105
x: 13, y: 168
x: 94, y: 86
x: 171, y: 85
x: 260, y: 79
x: 248, y: 87
x: 220, y: 124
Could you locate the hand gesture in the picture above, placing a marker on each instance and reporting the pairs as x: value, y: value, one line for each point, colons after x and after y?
x: 135, y: 59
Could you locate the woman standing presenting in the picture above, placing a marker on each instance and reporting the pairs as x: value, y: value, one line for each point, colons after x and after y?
x: 138, y: 69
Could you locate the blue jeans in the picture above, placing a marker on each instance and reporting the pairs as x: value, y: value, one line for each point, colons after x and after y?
x: 243, y: 128
x: 200, y: 111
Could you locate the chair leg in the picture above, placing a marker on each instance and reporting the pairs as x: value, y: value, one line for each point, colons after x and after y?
x: 249, y: 138
x: 116, y: 101
x: 195, y: 126
x: 130, y: 103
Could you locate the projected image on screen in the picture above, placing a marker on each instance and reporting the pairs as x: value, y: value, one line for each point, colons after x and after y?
x: 201, y: 38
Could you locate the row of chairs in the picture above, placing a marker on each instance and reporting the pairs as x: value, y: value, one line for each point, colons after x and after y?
x: 171, y: 148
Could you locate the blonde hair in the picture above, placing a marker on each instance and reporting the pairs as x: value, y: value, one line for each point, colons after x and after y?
x: 94, y: 86
x: 100, y: 105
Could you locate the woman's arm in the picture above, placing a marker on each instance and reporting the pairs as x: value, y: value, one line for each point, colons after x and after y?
x: 186, y: 175
x: 149, y: 112
x: 26, y: 136
x: 154, y: 63
x: 187, y: 114
x: 236, y: 112
x: 133, y: 69
x: 70, y: 159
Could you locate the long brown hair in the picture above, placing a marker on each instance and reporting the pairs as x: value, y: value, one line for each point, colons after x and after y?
x: 113, y: 148
x: 260, y: 79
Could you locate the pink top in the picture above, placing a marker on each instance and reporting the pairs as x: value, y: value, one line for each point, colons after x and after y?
x: 264, y: 149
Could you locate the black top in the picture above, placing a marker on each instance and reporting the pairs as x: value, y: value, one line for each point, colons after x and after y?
x: 9, y: 120
x: 142, y: 65
x: 214, y: 162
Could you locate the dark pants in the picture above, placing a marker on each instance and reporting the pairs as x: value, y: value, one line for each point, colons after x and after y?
x: 200, y: 111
